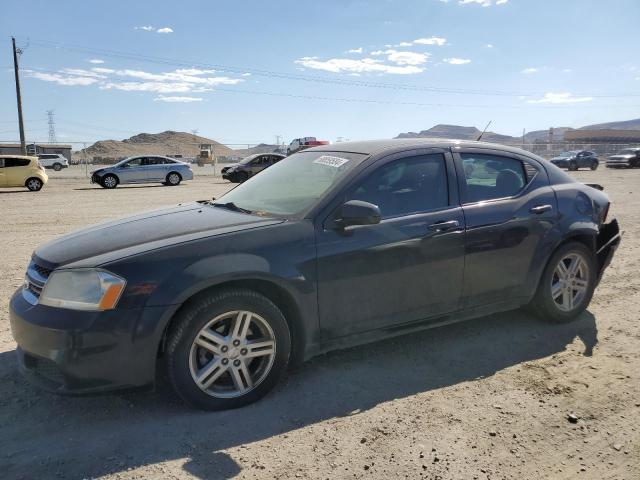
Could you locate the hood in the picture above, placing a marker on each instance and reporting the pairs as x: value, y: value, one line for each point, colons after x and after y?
x: 146, y: 231
x: 561, y: 159
x: 624, y: 156
x: 230, y: 165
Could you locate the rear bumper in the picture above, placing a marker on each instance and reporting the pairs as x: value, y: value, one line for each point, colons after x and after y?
x: 608, y: 240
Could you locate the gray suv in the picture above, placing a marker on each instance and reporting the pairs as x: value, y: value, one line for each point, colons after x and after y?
x: 249, y: 166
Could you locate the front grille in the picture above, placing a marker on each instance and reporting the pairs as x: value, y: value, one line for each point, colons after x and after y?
x: 43, y: 367
x: 45, y: 272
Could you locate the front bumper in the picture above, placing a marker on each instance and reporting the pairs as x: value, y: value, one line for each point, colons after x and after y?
x: 74, y: 353
x: 608, y: 241
x: 618, y: 164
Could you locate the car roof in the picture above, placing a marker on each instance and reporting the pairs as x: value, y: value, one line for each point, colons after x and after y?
x: 30, y: 157
x: 373, y: 147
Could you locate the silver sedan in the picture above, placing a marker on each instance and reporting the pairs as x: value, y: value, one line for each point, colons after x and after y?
x: 143, y: 169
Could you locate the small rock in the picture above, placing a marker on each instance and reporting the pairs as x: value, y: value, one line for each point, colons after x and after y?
x: 363, y: 440
x: 492, y: 433
x: 617, y: 447
x: 366, y: 467
x: 572, y: 417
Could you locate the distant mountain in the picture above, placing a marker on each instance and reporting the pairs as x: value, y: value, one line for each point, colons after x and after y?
x: 164, y: 143
x: 624, y: 125
x: 543, y: 135
x: 459, y: 133
x: 260, y: 148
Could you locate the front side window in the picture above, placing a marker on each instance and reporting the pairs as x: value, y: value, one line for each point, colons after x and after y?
x: 487, y: 177
x: 136, y: 162
x: 294, y: 184
x: 402, y: 187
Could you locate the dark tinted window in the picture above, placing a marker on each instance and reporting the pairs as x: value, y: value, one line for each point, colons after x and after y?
x: 16, y: 162
x: 490, y: 176
x: 410, y: 185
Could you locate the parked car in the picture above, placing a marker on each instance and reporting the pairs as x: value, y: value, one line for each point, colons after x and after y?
x: 249, y: 166
x: 576, y: 159
x: 56, y: 161
x: 303, y: 143
x: 334, y: 246
x: 22, y: 171
x: 627, y: 158
x: 143, y: 169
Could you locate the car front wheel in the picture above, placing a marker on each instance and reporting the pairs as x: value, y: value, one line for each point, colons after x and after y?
x: 109, y: 181
x: 227, y: 349
x: 567, y: 284
x: 594, y: 165
x: 573, y: 166
x: 57, y: 167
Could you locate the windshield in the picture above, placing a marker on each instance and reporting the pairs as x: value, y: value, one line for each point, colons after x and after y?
x: 248, y: 159
x: 568, y: 154
x: 293, y: 184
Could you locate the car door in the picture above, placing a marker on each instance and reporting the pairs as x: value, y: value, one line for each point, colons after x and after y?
x: 509, y: 208
x: 16, y: 171
x: 156, y: 169
x: 133, y: 171
x: 406, y: 268
x: 3, y: 176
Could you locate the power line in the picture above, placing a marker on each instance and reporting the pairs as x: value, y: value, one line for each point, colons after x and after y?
x: 299, y: 77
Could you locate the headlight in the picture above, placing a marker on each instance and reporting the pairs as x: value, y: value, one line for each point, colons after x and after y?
x: 83, y: 289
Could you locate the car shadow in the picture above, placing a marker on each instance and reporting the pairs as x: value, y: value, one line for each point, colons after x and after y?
x: 123, y: 187
x: 96, y: 436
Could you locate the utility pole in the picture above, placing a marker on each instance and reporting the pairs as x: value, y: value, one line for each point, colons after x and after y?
x: 16, y: 52
x: 52, y: 127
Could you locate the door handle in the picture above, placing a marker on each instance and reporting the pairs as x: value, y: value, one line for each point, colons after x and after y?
x: 444, y: 226
x: 538, y: 209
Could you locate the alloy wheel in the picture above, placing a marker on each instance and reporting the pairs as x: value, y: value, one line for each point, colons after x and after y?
x: 570, y: 282
x: 34, y: 184
x: 174, y: 179
x: 232, y: 354
x: 109, y: 182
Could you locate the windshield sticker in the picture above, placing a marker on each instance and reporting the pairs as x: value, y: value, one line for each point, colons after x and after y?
x: 331, y: 161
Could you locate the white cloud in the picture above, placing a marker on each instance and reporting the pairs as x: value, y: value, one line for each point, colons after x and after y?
x: 364, y: 65
x: 96, y: 61
x: 457, y: 61
x: 165, y: 30
x: 404, y: 44
x: 489, y: 45
x: 407, y: 58
x: 66, y: 80
x: 102, y: 70
x: 483, y: 3
x: 146, y: 28
x: 355, y: 50
x: 439, y: 41
x: 162, y: 98
x: 530, y: 70
x: 567, y: 70
x: 563, y: 97
x: 245, y: 75
x: 81, y: 72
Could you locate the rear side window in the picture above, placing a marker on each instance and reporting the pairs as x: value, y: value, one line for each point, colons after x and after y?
x: 409, y: 185
x: 16, y: 162
x: 487, y: 177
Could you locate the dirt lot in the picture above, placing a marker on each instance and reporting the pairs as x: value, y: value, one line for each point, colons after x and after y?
x: 483, y: 399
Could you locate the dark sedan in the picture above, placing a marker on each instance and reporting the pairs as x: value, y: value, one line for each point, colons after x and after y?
x: 250, y: 166
x: 576, y: 159
x: 334, y: 246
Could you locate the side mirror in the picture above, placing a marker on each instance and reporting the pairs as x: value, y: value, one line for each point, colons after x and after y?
x: 357, y: 212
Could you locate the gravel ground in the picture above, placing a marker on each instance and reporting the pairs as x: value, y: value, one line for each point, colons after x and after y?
x: 484, y: 399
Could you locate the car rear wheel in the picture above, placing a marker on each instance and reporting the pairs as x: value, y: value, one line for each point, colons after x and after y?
x: 173, y: 179
x: 34, y: 184
x: 57, y: 167
x: 567, y: 284
x: 109, y: 181
x: 594, y: 165
x: 227, y: 349
x: 573, y: 166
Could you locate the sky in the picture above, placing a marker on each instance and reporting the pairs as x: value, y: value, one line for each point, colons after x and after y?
x: 244, y: 72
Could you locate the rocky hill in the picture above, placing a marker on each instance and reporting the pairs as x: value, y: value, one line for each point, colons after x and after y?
x: 458, y: 132
x: 164, y: 143
x: 624, y: 125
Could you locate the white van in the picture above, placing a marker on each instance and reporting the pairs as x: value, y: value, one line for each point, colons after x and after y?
x: 53, y: 160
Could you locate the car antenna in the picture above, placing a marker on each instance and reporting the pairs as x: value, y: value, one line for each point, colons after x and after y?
x: 485, y: 129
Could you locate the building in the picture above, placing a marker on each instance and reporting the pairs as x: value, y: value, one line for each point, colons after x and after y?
x: 36, y: 149
x: 602, y: 136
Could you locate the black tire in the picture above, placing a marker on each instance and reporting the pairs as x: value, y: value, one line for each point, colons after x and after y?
x: 57, y: 167
x: 544, y: 305
x: 173, y: 179
x: 109, y: 181
x: 573, y: 166
x: 189, y: 322
x: 594, y: 165
x: 34, y: 184
x: 243, y: 177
